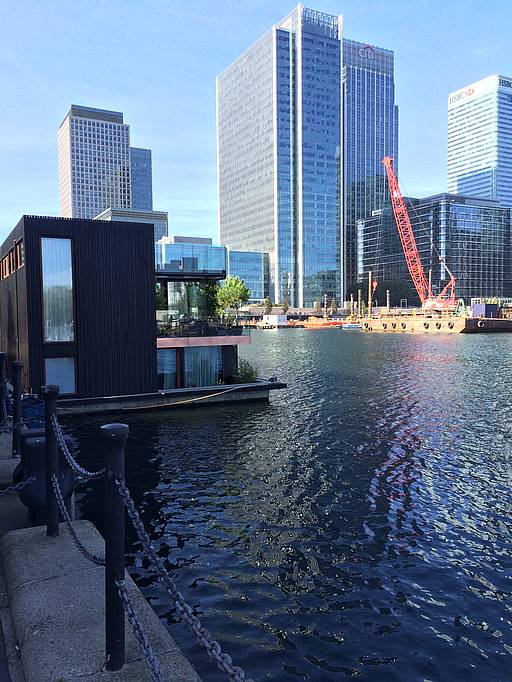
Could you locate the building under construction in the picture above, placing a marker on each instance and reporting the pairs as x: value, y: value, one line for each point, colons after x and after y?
x: 471, y: 235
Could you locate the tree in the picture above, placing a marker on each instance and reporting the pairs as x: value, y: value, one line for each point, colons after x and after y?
x: 232, y: 294
x: 210, y: 293
x: 267, y: 306
x: 334, y: 306
x: 285, y: 306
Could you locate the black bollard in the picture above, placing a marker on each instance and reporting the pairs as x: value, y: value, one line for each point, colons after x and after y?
x: 50, y: 394
x: 3, y: 390
x: 17, y: 368
x: 114, y: 438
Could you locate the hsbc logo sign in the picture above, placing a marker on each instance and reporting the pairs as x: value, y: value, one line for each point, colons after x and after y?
x: 504, y: 83
x: 468, y: 92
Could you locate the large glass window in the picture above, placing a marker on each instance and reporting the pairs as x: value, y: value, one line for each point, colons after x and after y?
x: 166, y: 368
x: 61, y: 372
x: 203, y: 366
x: 58, y: 318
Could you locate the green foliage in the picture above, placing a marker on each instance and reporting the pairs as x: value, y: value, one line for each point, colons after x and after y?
x: 247, y: 374
x: 232, y: 293
x: 285, y: 306
x: 267, y: 306
x: 160, y: 304
x: 210, y: 292
x: 334, y: 306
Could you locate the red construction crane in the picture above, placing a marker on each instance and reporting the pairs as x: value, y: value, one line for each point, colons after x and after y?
x: 444, y: 300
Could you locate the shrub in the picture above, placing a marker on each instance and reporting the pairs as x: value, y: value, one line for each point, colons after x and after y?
x: 246, y: 372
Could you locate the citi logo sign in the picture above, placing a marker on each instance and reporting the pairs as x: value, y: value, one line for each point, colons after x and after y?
x: 367, y: 52
x: 469, y: 92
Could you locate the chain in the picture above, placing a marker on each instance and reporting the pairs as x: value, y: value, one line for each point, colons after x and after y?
x: 139, y: 633
x: 59, y: 435
x: 204, y: 638
x: 99, y: 561
x: 19, y: 486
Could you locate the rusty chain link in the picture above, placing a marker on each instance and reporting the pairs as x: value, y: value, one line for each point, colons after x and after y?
x: 139, y: 633
x: 59, y: 435
x: 213, y: 648
x: 19, y: 486
x: 99, y: 561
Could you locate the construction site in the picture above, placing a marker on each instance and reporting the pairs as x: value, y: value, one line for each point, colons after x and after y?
x: 441, y: 312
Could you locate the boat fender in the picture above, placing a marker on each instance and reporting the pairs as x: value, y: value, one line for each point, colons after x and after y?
x: 438, y: 325
x: 366, y: 325
x: 384, y: 325
x: 425, y: 324
x: 393, y: 325
x: 403, y: 325
x: 481, y: 324
x: 450, y: 325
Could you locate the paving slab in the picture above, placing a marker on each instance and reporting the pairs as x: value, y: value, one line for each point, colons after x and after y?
x: 56, y: 599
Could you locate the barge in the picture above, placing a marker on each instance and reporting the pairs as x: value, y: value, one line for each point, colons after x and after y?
x: 437, y: 325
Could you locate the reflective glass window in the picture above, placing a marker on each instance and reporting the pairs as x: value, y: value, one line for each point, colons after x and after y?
x: 57, y: 269
x: 61, y: 372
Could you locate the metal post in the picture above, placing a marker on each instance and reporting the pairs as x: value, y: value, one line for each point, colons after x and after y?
x: 352, y: 305
x: 3, y: 385
x: 50, y: 394
x: 17, y: 367
x: 360, y: 302
x: 388, y: 300
x: 114, y: 438
x: 370, y: 294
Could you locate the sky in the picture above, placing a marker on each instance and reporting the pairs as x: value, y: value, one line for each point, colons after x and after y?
x: 156, y: 61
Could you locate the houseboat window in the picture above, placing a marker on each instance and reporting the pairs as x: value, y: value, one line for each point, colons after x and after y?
x: 166, y: 364
x: 203, y: 366
x: 20, y: 254
x: 58, y: 319
x: 61, y: 372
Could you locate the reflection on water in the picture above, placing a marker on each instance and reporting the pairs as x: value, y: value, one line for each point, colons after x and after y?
x: 357, y: 526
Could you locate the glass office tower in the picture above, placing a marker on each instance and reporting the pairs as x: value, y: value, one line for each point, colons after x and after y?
x: 94, y: 162
x: 480, y: 139
x: 370, y: 134
x: 142, y: 179
x: 471, y: 234
x: 279, y: 131
x: 253, y: 269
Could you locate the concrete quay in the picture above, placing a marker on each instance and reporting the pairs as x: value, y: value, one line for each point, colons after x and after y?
x: 52, y: 605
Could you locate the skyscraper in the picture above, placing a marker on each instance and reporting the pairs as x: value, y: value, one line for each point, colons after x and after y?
x: 94, y: 162
x: 480, y: 139
x: 370, y: 133
x: 141, y: 179
x: 279, y: 132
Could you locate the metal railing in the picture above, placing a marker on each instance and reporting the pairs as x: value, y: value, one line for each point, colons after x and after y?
x: 118, y: 500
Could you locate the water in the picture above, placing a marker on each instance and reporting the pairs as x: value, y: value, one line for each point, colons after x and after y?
x: 357, y: 526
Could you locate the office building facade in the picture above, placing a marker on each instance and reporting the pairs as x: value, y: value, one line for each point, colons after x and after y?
x: 472, y: 235
x: 141, y: 174
x: 279, y: 136
x: 94, y: 162
x: 253, y: 269
x: 480, y: 139
x: 159, y: 219
x: 370, y: 133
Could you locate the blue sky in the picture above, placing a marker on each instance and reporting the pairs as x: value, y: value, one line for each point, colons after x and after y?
x: 156, y: 60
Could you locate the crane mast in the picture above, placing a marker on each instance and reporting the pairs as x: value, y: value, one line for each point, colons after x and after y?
x: 445, y: 299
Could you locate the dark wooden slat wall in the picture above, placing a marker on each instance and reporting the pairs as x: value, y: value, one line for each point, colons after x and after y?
x: 115, y: 338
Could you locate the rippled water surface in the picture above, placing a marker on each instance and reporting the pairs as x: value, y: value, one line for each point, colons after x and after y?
x: 357, y: 526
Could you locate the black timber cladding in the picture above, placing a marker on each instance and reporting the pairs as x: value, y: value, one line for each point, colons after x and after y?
x: 114, y: 292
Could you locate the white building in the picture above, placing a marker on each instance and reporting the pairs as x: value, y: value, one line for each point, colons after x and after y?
x: 159, y: 219
x: 480, y: 139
